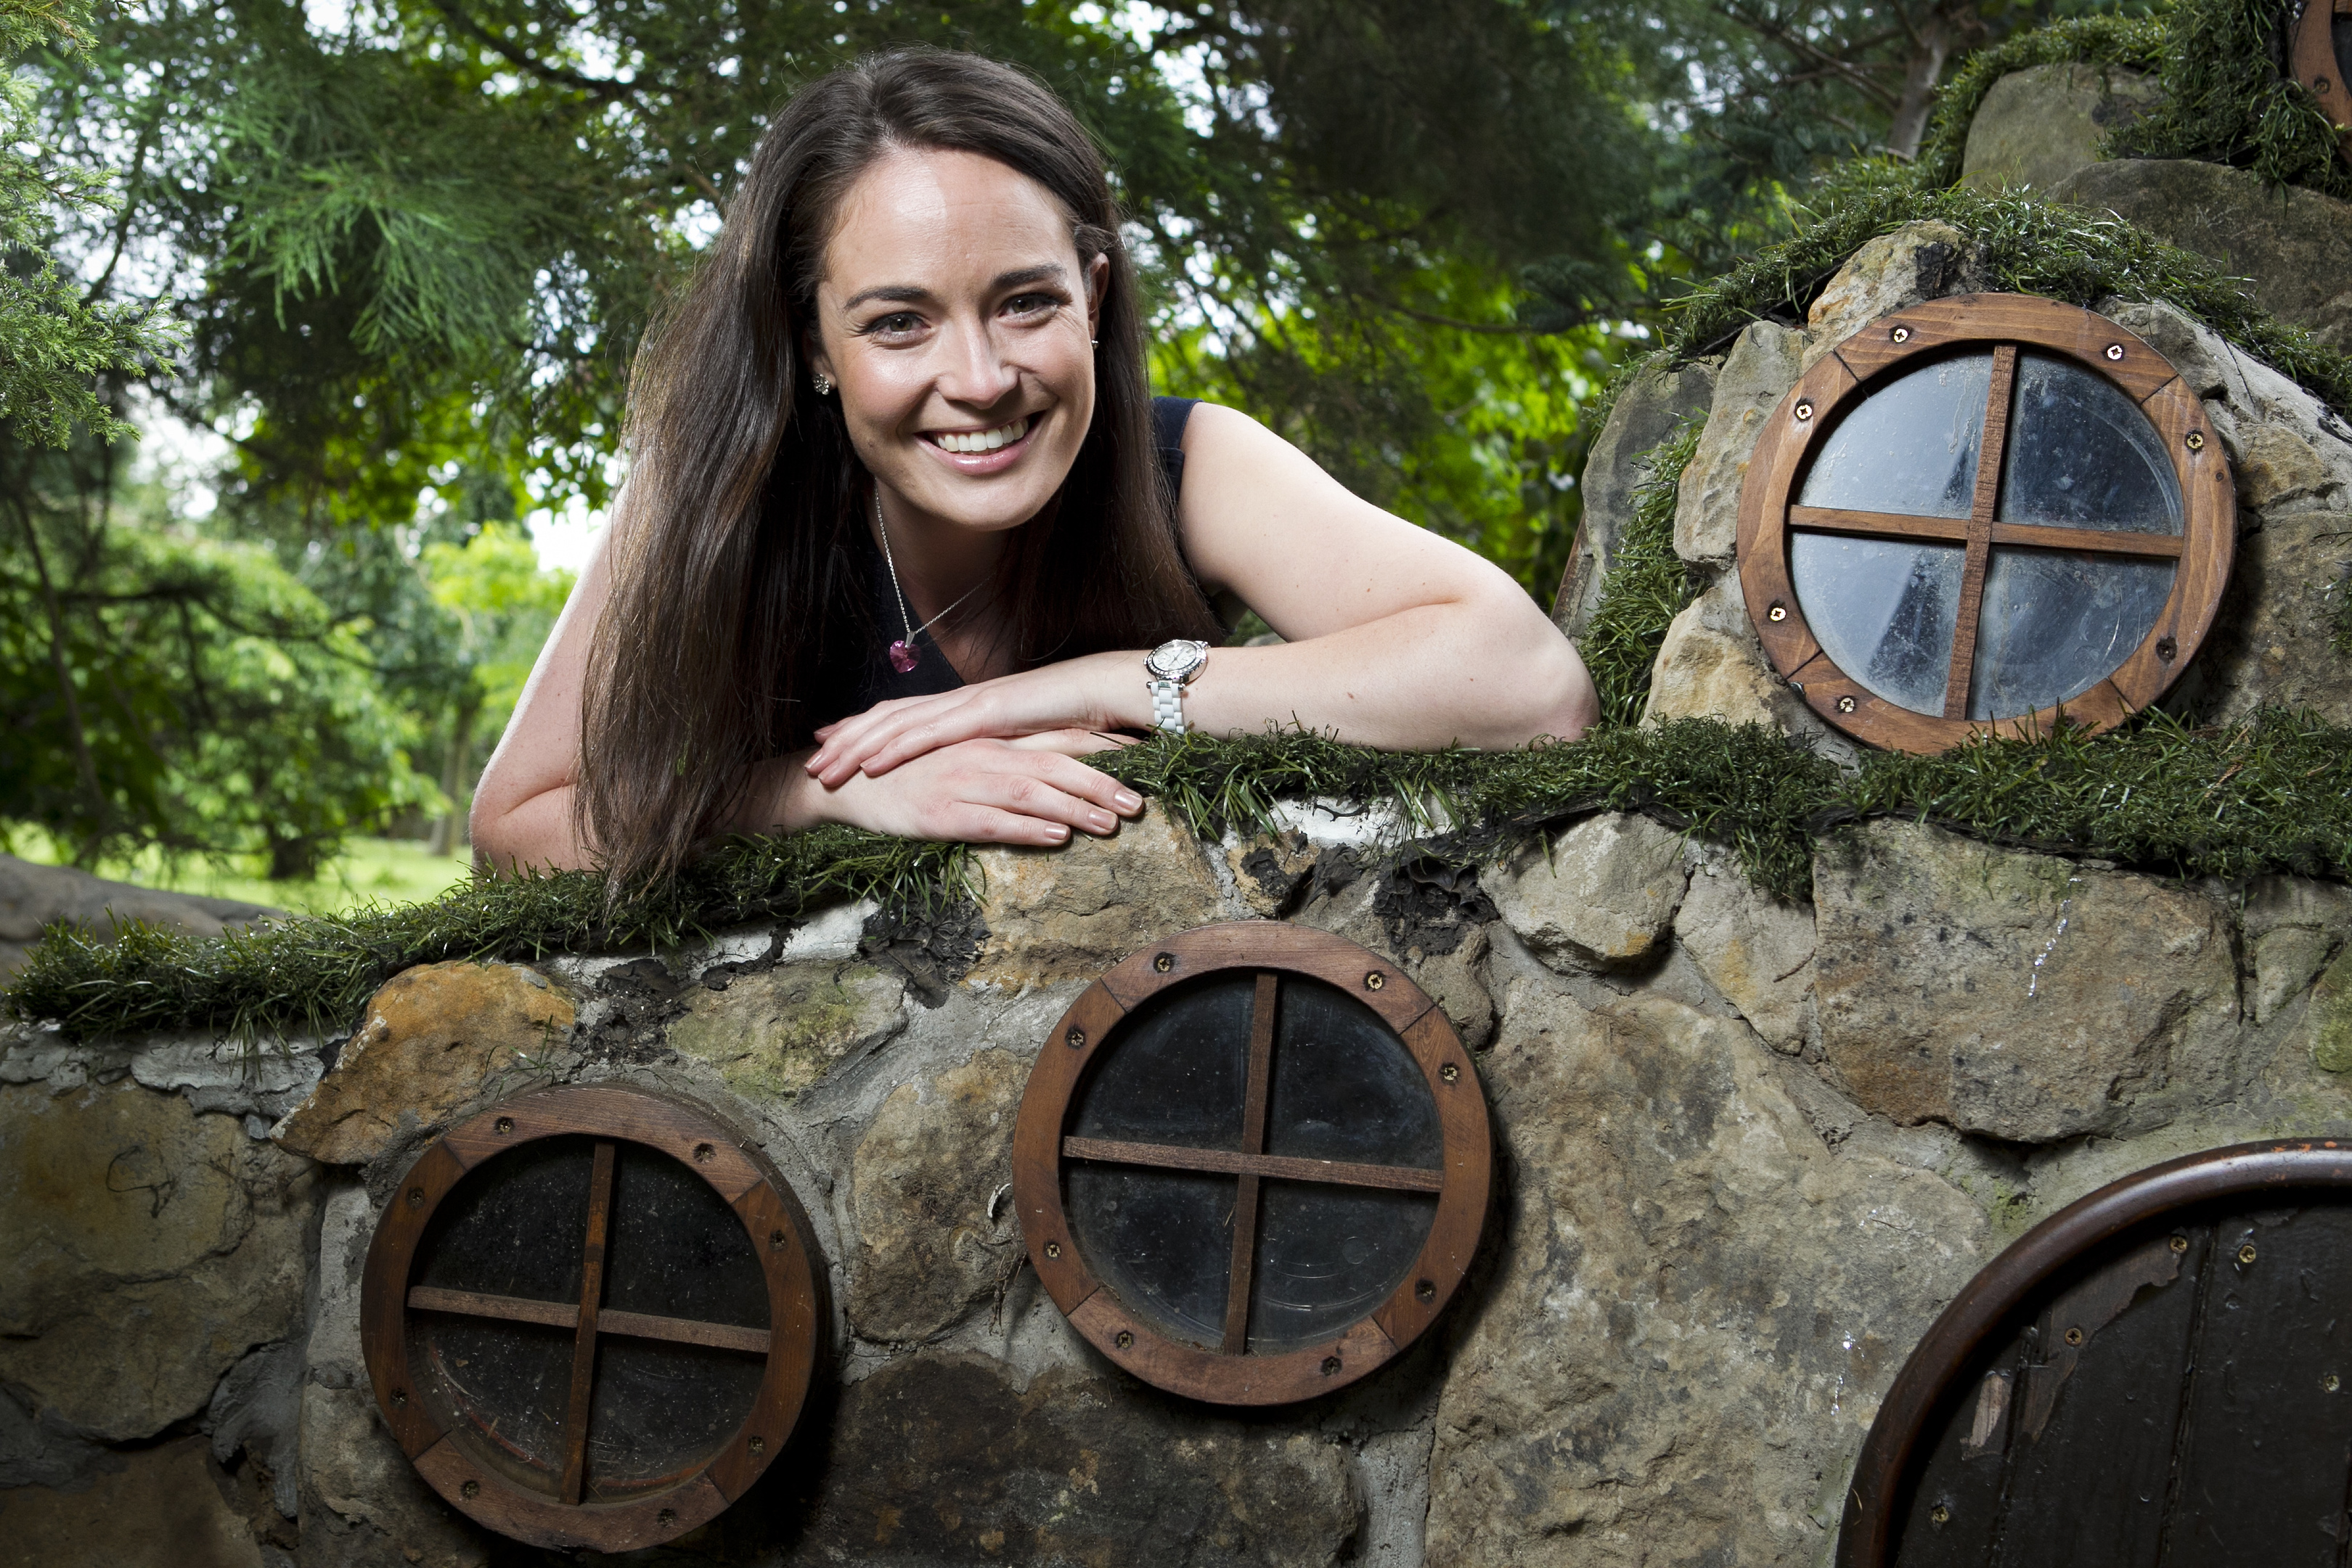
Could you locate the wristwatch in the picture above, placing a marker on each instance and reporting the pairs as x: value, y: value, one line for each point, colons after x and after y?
x: 1172, y: 666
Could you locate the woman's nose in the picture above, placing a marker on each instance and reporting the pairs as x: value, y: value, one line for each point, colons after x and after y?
x: 976, y: 370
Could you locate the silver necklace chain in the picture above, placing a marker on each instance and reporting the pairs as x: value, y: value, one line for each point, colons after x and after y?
x: 906, y: 612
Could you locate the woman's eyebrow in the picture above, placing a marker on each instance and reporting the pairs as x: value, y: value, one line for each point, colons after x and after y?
x: 913, y: 294
x: 896, y: 293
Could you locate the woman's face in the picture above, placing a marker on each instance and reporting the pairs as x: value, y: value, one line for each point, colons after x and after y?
x: 954, y: 318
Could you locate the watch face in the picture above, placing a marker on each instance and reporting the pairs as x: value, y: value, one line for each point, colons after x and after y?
x: 1177, y: 660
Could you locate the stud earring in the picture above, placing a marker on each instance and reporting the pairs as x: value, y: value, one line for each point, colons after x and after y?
x: 824, y: 385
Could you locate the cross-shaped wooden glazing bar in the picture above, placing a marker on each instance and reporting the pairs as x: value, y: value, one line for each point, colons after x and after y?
x: 1252, y: 1163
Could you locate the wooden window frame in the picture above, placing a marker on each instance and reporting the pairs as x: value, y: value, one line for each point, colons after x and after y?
x: 2003, y: 323
x: 799, y: 1316
x: 2312, y: 49
x: 1227, y: 1375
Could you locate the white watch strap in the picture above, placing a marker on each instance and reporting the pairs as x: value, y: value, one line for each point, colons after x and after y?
x: 1168, y: 705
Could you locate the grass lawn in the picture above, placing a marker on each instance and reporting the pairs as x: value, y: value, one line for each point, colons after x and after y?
x: 370, y: 871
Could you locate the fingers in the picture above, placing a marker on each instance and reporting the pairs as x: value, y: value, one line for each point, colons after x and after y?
x: 855, y: 740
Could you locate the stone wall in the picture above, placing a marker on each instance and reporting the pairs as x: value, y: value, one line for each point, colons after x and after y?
x: 1745, y: 1153
x: 1746, y: 1150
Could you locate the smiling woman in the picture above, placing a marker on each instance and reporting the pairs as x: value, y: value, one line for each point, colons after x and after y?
x: 903, y: 521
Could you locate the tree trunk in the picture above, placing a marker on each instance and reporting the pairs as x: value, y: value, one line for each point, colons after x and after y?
x: 1938, y: 31
x: 85, y: 766
x: 445, y: 831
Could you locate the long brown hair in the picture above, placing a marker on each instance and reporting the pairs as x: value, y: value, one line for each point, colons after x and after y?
x: 737, y: 611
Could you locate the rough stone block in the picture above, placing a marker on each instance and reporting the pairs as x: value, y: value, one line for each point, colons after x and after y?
x: 936, y: 1228
x: 163, y: 1506
x: 1605, y: 893
x: 2014, y: 994
x: 1754, y: 948
x: 942, y: 1459
x: 434, y: 1036
x: 2296, y: 245
x: 1711, y: 665
x: 1071, y: 914
x: 2293, y: 925
x: 1695, y: 1308
x: 363, y: 1504
x: 150, y: 1248
x: 775, y: 1035
x: 1918, y: 261
x: 1653, y: 405
x: 2327, y: 1024
x: 2273, y: 646
x: 1764, y: 364
x: 1269, y: 867
x: 2037, y: 126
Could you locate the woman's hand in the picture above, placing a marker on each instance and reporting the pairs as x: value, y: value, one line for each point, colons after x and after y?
x: 1033, y: 791
x: 1070, y: 700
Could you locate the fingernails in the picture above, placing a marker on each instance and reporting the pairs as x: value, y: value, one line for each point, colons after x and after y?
x: 1056, y: 832
x: 1101, y: 821
x: 1127, y: 800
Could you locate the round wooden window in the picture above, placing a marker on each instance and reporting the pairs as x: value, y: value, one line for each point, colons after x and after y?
x: 1252, y: 1162
x: 1982, y: 512
x: 2322, y: 47
x: 2162, y: 1371
x: 591, y: 1315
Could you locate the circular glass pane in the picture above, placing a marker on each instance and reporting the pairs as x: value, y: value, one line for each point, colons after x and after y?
x: 2052, y: 624
x: 510, y: 1239
x: 1340, y: 1086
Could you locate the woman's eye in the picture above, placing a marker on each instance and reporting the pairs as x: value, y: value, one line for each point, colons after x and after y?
x: 897, y: 322
x: 1031, y: 304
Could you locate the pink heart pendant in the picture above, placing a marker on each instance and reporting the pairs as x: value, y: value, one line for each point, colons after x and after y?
x: 904, y: 657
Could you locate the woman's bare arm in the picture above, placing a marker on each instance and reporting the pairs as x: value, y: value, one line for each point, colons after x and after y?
x: 1396, y: 638
x: 1030, y: 791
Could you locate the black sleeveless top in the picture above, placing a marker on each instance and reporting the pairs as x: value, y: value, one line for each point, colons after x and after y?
x: 932, y: 673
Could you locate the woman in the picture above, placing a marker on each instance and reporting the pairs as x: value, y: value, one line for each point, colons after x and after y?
x: 903, y: 521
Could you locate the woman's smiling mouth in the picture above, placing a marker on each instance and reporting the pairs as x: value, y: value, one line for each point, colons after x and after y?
x: 974, y: 442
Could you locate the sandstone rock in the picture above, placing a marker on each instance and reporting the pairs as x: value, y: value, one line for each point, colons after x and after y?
x: 2274, y: 643
x: 2296, y: 245
x: 1072, y: 912
x: 1710, y: 665
x: 1696, y: 1308
x: 1269, y: 868
x: 1918, y: 261
x: 936, y: 1228
x: 363, y: 1504
x: 2015, y: 994
x: 434, y: 1038
x: 1651, y: 408
x: 2288, y: 451
x: 1764, y: 364
x: 1451, y: 980
x: 1605, y: 894
x: 940, y: 1458
x: 1754, y: 948
x: 774, y: 1035
x: 150, y: 1248
x: 32, y: 896
x: 163, y: 1506
x: 2292, y: 926
x: 2327, y: 1026
x: 2039, y: 125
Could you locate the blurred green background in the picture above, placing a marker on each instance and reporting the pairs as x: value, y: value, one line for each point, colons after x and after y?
x: 316, y: 322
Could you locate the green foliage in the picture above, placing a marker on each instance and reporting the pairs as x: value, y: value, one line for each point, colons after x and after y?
x: 504, y: 606
x: 2228, y: 98
x: 314, y: 974
x: 2129, y: 43
x: 54, y: 343
x: 2027, y: 247
x: 1647, y: 585
x: 2271, y: 794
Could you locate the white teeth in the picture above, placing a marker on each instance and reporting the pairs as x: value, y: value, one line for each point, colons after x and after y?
x: 983, y: 441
